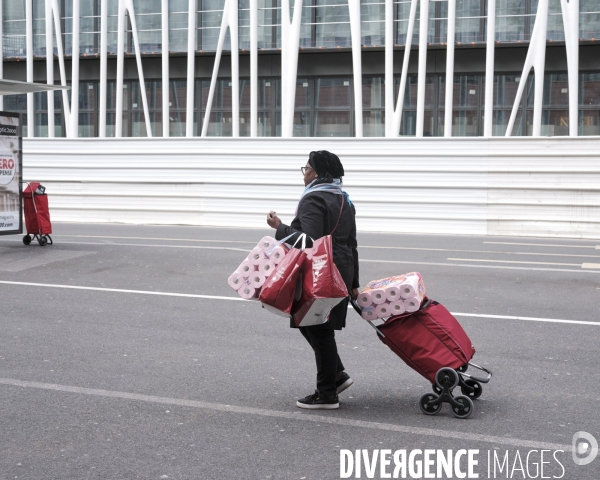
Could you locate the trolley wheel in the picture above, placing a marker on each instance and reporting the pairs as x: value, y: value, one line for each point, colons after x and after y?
x: 441, y: 375
x: 27, y: 239
x: 426, y: 407
x: 437, y: 389
x: 474, y: 384
x: 465, y: 409
x: 42, y: 241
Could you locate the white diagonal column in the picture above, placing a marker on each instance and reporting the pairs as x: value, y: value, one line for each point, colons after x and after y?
x: 570, y: 15
x: 392, y: 125
x: 103, y: 66
x: 189, y: 102
x: 488, y: 112
x: 423, y: 31
x: 449, y: 68
x: 290, y: 41
x: 75, y: 72
x: 61, y: 66
x: 536, y: 59
x: 138, y: 59
x: 354, y: 10
x: 253, y: 68
x: 29, y: 66
x: 49, y: 67
x: 127, y: 6
x: 120, y: 70
x: 230, y: 20
x: 165, y: 67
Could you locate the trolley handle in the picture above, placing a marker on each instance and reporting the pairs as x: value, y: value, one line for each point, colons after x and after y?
x: 479, y: 379
x: 358, y: 310
x: 355, y: 305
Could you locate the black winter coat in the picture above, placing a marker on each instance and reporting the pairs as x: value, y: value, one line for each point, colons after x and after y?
x: 318, y: 213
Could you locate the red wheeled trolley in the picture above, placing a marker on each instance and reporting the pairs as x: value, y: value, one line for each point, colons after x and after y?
x: 37, y: 215
x: 433, y: 343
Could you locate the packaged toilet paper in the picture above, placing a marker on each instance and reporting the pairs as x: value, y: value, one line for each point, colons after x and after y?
x: 259, y: 264
x: 392, y: 296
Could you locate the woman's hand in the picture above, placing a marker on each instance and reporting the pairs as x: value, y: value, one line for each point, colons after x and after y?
x: 354, y: 293
x: 274, y: 221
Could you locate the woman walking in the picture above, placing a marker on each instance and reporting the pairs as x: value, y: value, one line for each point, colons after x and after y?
x: 324, y: 209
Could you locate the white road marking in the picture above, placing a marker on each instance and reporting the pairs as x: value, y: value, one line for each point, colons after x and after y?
x: 597, y: 247
x: 404, y: 262
x: 513, y: 261
x: 202, y: 247
x: 483, y: 251
x: 160, y: 238
x: 360, y: 246
x: 119, y: 290
x: 296, y: 416
x: 502, y: 267
x: 254, y: 243
x: 238, y: 299
x: 590, y: 265
x: 528, y: 319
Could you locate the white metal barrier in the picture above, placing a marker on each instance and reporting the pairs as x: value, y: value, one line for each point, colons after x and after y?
x: 498, y: 186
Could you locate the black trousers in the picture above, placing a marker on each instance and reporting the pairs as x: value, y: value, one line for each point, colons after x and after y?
x: 322, y: 340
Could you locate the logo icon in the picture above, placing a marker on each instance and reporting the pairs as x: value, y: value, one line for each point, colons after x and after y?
x: 585, y: 448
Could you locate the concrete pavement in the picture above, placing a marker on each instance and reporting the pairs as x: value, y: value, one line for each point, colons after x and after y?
x: 106, y: 381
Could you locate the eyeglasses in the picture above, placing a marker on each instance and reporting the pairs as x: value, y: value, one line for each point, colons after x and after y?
x: 304, y: 169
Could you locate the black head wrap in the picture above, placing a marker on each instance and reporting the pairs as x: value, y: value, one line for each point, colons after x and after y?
x: 327, y: 165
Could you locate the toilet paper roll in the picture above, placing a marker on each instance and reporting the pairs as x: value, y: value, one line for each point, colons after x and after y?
x: 407, y: 291
x: 248, y: 292
x: 257, y: 279
x: 266, y: 242
x: 256, y: 256
x: 235, y: 280
x: 368, y: 313
x: 245, y: 268
x: 412, y: 304
x: 364, y: 299
x: 277, y: 255
x: 392, y: 293
x: 378, y: 296
x: 383, y: 310
x: 266, y: 267
x: 413, y: 286
x: 397, y: 308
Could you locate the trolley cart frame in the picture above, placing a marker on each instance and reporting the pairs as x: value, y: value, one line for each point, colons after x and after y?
x: 446, y: 380
x: 42, y: 238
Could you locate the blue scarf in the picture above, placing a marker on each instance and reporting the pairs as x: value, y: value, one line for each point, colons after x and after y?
x: 335, y: 187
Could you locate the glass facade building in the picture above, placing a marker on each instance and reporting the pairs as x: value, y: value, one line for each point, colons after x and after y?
x: 325, y: 95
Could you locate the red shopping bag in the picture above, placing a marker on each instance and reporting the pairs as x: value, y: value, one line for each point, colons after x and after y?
x: 322, y: 285
x: 278, y: 292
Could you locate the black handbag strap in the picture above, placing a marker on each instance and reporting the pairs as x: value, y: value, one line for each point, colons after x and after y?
x: 339, y: 216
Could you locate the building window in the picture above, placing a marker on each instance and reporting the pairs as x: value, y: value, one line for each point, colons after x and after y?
x: 373, y: 98
x: 466, y: 106
x: 589, y: 104
x: 332, y: 107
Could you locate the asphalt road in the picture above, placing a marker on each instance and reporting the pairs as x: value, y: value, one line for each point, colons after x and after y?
x: 141, y: 373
